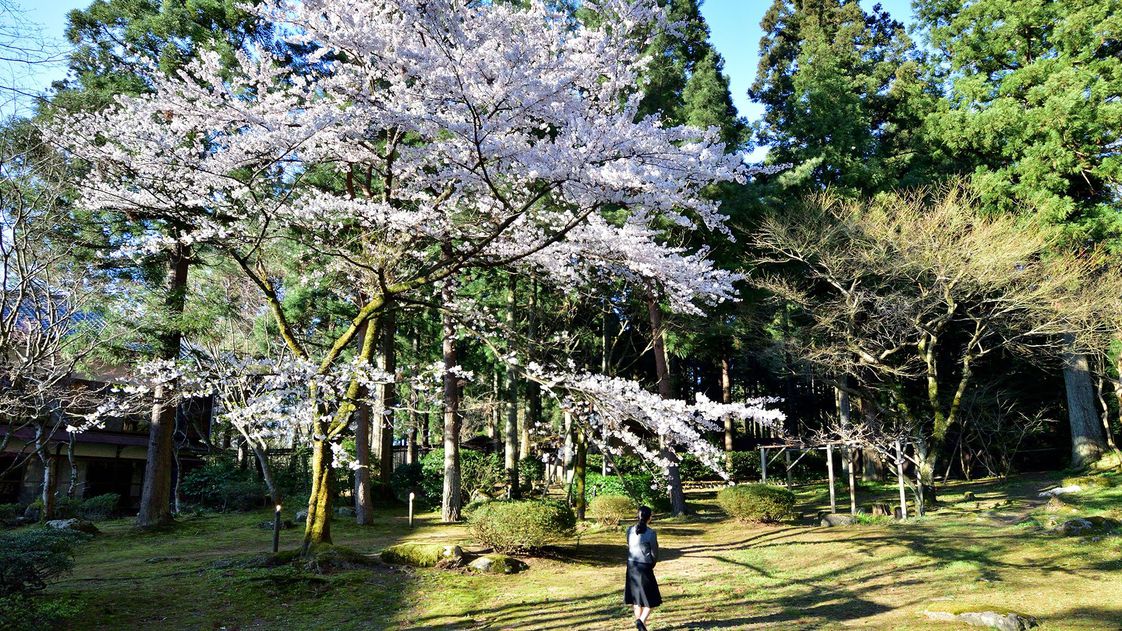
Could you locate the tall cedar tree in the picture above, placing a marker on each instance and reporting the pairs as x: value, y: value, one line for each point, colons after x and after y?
x: 110, y: 38
x: 843, y: 96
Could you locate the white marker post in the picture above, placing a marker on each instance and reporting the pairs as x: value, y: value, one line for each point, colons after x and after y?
x: 411, y: 496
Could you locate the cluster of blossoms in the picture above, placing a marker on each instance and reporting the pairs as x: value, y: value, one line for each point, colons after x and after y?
x: 455, y: 135
x: 623, y: 416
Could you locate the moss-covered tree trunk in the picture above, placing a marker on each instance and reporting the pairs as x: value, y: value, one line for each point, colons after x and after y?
x: 317, y: 529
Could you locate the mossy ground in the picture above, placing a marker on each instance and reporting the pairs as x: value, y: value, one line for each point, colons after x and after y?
x: 715, y: 573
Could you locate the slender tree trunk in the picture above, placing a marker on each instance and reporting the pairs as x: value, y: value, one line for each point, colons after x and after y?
x: 155, y: 494
x: 1087, y: 442
x: 72, y: 486
x: 579, y: 474
x: 674, y: 478
x: 873, y: 464
x: 1100, y: 393
x: 569, y: 455
x: 364, y: 501
x: 511, y: 434
x: 450, y: 506
x: 726, y: 397
x: 844, y: 413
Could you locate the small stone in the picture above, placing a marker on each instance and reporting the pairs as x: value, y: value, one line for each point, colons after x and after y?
x: 1063, y: 490
x: 344, y: 511
x: 74, y: 524
x: 969, y: 497
x: 1086, y: 525
x: 301, y: 516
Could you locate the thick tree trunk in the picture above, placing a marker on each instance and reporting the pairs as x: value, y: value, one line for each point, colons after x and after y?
x: 364, y: 501
x: 450, y: 505
x: 658, y: 344
x: 844, y: 413
x: 384, y: 423
x: 155, y: 494
x: 317, y: 529
x: 873, y: 464
x: 1087, y: 442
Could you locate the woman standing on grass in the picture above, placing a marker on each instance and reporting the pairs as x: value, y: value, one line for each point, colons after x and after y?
x: 641, y: 589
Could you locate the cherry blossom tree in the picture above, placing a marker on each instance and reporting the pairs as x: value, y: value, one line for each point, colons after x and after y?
x: 417, y: 140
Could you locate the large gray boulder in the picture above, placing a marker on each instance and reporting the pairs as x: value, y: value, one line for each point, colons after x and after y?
x: 1063, y: 490
x: 74, y: 525
x: 991, y: 619
x: 836, y: 519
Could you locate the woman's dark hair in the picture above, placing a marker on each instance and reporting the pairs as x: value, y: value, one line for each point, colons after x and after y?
x: 644, y: 517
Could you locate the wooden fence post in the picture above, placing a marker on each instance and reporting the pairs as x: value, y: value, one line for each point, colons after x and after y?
x: 763, y: 465
x: 850, y: 453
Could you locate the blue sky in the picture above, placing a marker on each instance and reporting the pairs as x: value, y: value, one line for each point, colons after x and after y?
x: 735, y: 27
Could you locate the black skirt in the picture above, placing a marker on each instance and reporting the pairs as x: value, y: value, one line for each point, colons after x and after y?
x: 641, y: 587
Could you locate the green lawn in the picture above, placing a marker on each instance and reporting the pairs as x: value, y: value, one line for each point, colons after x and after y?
x: 715, y: 573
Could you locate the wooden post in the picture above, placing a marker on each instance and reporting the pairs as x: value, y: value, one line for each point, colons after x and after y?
x: 919, y: 486
x: 763, y: 465
x: 852, y: 480
x: 411, y: 496
x: 276, y: 529
x: 900, y: 479
x: 787, y: 459
x: 830, y: 476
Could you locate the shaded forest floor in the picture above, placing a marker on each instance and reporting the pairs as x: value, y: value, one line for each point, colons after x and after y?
x: 991, y: 553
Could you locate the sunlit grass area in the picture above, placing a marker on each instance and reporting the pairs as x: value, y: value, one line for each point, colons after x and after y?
x: 987, y: 554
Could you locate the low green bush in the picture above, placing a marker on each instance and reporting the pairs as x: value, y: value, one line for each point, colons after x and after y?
x: 221, y: 485
x: 522, y: 526
x: 643, y: 488
x: 407, y: 478
x: 757, y: 503
x: 530, y: 471
x: 32, y: 557
x: 99, y: 507
x: 610, y: 510
x: 478, y: 472
x: 21, y: 612
x: 9, y: 513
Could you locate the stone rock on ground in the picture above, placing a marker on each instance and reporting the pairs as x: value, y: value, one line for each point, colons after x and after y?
x: 344, y: 511
x: 836, y: 519
x: 1086, y: 525
x: 969, y: 497
x: 991, y: 619
x: 301, y: 516
x: 75, y: 524
x: 424, y: 555
x: 1063, y: 490
x: 497, y: 564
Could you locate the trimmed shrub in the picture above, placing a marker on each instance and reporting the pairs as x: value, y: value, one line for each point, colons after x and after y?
x: 9, y: 513
x: 30, y: 558
x: 745, y: 466
x: 757, y: 503
x: 99, y: 507
x: 221, y: 485
x: 522, y: 526
x: 610, y: 510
